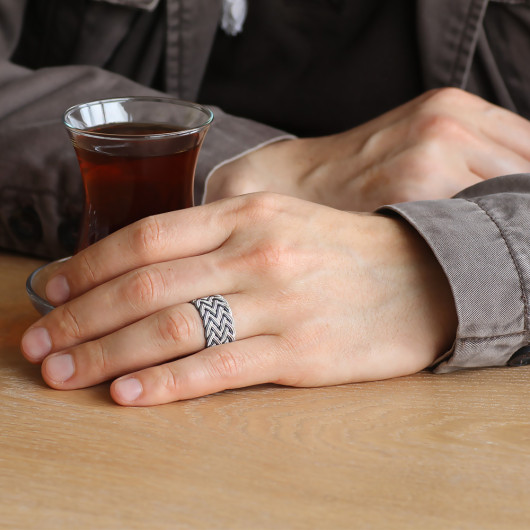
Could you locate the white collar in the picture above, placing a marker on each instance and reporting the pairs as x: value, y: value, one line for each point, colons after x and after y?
x: 233, y: 16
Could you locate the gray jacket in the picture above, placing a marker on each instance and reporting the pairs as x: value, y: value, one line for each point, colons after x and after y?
x: 478, y: 237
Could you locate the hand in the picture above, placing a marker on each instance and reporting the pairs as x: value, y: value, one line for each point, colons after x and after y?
x: 430, y: 148
x: 319, y: 297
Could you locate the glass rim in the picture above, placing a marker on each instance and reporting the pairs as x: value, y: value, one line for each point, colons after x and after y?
x: 135, y: 137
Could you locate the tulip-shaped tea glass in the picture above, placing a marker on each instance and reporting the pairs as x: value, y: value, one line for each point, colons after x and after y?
x: 137, y: 157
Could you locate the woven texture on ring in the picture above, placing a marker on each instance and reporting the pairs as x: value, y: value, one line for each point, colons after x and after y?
x: 217, y: 319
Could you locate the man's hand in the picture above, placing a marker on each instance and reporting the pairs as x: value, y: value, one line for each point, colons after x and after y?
x: 430, y: 148
x: 319, y: 297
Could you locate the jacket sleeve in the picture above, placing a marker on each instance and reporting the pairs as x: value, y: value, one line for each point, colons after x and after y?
x: 41, y: 191
x: 481, y: 238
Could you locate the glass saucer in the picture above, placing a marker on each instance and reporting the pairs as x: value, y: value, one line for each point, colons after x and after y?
x: 36, y: 284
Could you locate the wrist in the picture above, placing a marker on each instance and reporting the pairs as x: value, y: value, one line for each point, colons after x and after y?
x: 280, y: 167
x: 436, y: 316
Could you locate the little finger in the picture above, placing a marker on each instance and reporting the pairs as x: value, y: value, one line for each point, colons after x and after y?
x: 239, y: 364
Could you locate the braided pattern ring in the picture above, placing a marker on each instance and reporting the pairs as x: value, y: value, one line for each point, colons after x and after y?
x: 217, y: 319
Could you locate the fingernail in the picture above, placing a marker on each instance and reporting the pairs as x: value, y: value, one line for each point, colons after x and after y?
x: 60, y: 368
x: 58, y: 290
x: 128, y: 389
x: 36, y: 344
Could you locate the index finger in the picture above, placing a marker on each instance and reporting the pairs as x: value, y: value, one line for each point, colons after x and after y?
x: 155, y: 239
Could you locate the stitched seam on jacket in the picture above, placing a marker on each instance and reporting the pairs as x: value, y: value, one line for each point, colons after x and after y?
x: 185, y: 11
x: 173, y: 46
x: 516, y: 265
x: 461, y: 43
x: 490, y: 337
x: 460, y: 72
x: 510, y: 2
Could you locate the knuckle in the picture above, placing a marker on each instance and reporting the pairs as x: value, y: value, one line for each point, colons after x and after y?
x: 261, y: 257
x: 267, y: 255
x: 87, y: 270
x: 269, y: 250
x: 259, y: 207
x: 174, y: 327
x: 448, y: 97
x: 439, y: 127
x: 144, y: 286
x: 147, y: 237
x: 434, y: 123
x: 224, y: 364
x: 170, y: 380
x: 99, y: 358
x: 70, y: 324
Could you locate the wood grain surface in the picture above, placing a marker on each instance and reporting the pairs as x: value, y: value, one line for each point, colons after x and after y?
x: 422, y: 452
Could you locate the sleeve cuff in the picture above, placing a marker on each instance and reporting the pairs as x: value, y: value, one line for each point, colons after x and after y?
x: 229, y: 138
x: 485, y: 280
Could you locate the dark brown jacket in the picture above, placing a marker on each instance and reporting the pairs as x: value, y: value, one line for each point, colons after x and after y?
x: 483, y: 46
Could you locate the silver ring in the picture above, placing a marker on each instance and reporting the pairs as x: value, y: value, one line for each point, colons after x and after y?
x: 217, y: 319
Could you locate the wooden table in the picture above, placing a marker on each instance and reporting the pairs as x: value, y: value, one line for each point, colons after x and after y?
x: 420, y: 452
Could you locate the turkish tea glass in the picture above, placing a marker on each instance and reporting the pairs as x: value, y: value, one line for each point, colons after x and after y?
x: 137, y: 157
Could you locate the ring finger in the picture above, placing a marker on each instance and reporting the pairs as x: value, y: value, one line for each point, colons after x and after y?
x: 169, y: 334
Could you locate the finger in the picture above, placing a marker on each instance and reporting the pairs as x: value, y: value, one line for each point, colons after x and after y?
x: 507, y: 129
x: 494, y: 160
x: 169, y: 334
x: 164, y: 237
x: 454, y: 145
x: 239, y: 364
x: 125, y: 300
x: 492, y: 122
x: 426, y: 171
